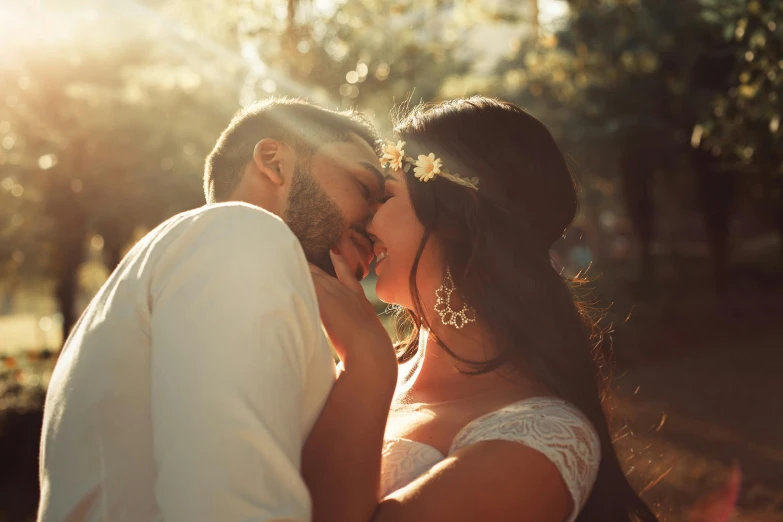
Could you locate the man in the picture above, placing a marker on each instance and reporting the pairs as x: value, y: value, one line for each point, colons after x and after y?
x: 188, y: 386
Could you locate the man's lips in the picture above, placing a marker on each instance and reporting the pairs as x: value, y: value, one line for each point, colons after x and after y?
x: 364, y: 246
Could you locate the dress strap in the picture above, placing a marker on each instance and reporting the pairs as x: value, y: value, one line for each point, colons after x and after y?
x: 550, y: 426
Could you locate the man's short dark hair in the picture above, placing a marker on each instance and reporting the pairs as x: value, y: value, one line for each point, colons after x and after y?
x: 297, y: 123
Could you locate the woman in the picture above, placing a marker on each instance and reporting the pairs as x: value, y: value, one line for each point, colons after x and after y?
x: 496, y: 414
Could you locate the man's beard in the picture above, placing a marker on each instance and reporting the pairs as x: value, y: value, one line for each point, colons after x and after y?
x: 313, y: 218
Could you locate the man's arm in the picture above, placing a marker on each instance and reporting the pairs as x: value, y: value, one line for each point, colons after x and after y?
x: 233, y: 322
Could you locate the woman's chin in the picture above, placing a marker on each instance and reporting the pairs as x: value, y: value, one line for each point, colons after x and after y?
x: 383, y: 296
x: 385, y: 293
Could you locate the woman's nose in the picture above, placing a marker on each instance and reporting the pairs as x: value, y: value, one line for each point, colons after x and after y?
x: 370, y: 227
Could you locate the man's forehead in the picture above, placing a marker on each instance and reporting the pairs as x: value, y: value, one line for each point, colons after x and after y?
x: 351, y: 150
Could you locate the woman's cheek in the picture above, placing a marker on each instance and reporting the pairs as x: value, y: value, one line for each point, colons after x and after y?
x: 394, y: 271
x: 401, y: 233
x: 388, y: 278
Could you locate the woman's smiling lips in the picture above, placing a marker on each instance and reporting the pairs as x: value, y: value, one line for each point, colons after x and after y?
x: 380, y: 253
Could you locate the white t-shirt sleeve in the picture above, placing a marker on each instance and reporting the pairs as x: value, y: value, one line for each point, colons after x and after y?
x: 234, y: 319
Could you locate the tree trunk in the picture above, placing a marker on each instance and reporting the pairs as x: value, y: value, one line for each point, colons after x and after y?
x: 779, y: 219
x: 780, y: 234
x: 112, y: 255
x: 289, y: 35
x: 716, y: 194
x: 68, y: 235
x: 70, y: 255
x: 116, y: 232
x: 637, y: 176
x: 534, y: 17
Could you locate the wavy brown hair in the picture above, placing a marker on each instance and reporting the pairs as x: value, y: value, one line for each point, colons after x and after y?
x: 496, y: 241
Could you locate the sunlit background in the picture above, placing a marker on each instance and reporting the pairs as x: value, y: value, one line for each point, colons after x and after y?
x: 669, y: 112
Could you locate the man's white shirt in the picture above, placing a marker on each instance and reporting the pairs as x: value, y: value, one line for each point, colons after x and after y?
x: 189, y: 385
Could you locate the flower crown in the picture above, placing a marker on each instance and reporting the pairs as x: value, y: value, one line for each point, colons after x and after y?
x: 425, y: 167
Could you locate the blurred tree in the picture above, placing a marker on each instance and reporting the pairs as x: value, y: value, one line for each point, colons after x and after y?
x: 653, y: 81
x: 98, y: 140
x: 741, y: 128
x: 106, y: 133
x: 613, y: 78
x: 363, y: 54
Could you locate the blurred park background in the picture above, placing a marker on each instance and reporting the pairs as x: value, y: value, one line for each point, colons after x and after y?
x: 669, y: 112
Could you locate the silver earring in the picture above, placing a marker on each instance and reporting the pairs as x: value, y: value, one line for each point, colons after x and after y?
x: 443, y: 305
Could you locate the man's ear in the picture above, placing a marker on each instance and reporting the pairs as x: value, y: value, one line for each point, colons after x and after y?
x: 270, y: 156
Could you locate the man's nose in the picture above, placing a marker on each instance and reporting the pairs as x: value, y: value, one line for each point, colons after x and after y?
x: 369, y: 227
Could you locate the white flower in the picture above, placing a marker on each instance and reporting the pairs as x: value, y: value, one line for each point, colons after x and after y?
x: 427, y: 167
x: 393, y: 154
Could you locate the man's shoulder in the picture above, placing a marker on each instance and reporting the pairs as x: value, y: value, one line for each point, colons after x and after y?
x: 236, y: 220
x: 232, y: 239
x: 242, y: 214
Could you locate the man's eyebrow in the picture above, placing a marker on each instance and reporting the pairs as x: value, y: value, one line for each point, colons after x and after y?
x: 375, y: 172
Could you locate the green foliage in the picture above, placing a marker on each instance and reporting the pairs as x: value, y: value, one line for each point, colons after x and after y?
x: 99, y: 139
x: 673, y: 74
x: 743, y: 124
x: 107, y: 132
x: 366, y: 54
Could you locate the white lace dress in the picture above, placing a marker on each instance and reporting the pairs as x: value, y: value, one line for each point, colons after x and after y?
x: 548, y: 425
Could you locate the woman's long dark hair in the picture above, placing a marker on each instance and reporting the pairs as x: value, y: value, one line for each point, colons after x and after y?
x: 496, y: 241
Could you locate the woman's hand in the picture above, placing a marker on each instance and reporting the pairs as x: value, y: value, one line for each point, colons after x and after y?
x: 341, y: 460
x: 350, y: 320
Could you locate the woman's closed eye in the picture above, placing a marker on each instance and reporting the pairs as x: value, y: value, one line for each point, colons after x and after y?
x: 388, y: 191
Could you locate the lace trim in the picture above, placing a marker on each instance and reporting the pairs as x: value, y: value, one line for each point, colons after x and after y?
x: 554, y: 428
x: 403, y: 461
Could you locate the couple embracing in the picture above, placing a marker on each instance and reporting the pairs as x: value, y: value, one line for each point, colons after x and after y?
x: 199, y: 384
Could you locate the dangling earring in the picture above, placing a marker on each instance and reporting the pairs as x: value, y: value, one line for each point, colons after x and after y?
x: 443, y: 305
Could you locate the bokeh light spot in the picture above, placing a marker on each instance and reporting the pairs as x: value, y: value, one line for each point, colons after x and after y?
x: 47, y: 161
